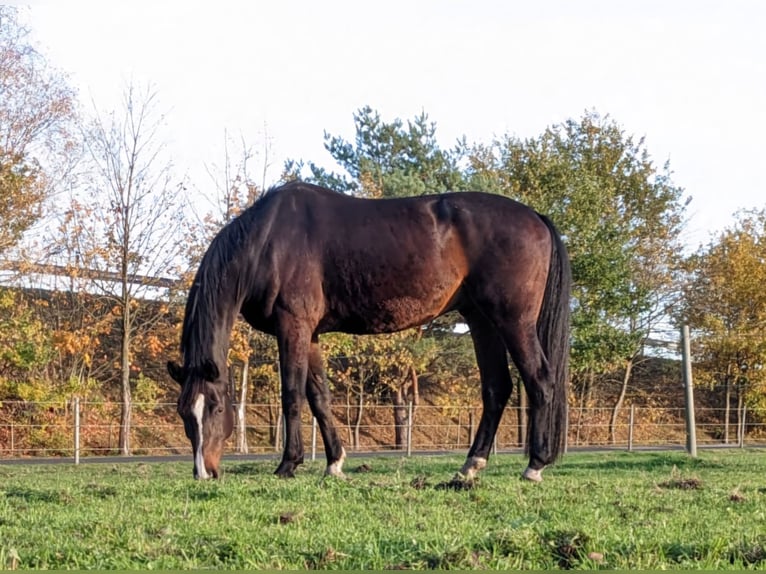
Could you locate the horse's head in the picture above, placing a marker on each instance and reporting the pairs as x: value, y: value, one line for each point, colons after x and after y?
x: 206, y: 409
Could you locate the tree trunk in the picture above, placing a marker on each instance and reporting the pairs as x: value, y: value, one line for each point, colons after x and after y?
x: 618, y: 404
x: 584, y: 401
x: 409, y: 388
x: 358, y: 419
x: 400, y: 418
x: 350, y: 439
x: 124, y: 440
x: 241, y: 423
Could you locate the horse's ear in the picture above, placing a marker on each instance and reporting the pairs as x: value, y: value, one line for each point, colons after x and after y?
x: 176, y: 372
x: 210, y: 371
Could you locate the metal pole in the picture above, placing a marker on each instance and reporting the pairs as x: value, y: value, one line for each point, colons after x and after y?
x: 313, y: 438
x: 691, y: 432
x: 409, y: 429
x: 630, y: 426
x: 77, y: 430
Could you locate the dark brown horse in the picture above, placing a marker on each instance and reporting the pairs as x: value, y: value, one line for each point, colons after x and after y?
x: 305, y: 260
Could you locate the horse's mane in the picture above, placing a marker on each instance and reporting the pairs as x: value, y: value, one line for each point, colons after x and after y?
x: 218, y: 284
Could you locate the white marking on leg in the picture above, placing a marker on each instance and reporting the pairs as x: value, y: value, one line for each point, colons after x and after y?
x: 532, y: 474
x: 336, y: 468
x: 198, y: 410
x: 472, y: 466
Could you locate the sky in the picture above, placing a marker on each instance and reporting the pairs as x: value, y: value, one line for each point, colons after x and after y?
x: 687, y: 75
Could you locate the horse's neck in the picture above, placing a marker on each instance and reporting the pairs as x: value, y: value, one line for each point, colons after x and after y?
x: 208, y: 333
x: 220, y: 296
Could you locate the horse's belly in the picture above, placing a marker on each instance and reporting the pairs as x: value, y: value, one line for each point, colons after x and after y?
x: 392, y: 314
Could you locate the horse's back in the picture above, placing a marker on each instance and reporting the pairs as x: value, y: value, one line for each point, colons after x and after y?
x: 378, y: 265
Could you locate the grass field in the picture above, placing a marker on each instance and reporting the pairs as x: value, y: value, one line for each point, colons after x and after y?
x: 594, y: 511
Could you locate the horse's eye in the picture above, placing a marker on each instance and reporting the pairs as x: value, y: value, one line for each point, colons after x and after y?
x: 216, y: 408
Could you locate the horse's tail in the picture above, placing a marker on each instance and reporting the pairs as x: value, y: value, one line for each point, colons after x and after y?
x: 553, y: 333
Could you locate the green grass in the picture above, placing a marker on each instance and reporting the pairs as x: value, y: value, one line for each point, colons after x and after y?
x: 594, y: 511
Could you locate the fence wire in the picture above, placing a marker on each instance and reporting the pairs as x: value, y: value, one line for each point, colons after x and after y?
x: 53, y: 430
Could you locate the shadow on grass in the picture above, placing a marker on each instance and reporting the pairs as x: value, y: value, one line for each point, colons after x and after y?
x: 248, y: 468
x: 30, y: 495
x: 638, y: 462
x: 203, y: 495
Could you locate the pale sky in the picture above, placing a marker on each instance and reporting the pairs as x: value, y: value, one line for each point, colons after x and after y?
x: 688, y: 75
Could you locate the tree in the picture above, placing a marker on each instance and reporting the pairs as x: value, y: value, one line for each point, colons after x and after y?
x: 25, y: 350
x: 37, y: 129
x: 125, y: 235
x: 369, y: 368
x: 725, y: 305
x: 621, y: 217
x: 387, y: 159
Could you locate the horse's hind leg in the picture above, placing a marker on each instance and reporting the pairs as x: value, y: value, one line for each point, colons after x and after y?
x: 535, y: 372
x: 496, y: 386
x: 318, y: 394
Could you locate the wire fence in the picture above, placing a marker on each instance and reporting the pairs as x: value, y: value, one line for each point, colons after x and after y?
x: 81, y: 428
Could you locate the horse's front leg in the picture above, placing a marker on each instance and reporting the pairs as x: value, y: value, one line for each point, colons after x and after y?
x: 294, y: 341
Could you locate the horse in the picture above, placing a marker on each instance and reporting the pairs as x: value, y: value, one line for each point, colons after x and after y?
x: 304, y: 260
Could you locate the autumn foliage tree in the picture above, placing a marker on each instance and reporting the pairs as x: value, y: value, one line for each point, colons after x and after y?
x: 123, y: 241
x: 37, y: 129
x: 725, y: 306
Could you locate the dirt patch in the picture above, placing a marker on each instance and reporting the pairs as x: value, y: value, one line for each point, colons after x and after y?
x: 682, y: 484
x: 458, y: 484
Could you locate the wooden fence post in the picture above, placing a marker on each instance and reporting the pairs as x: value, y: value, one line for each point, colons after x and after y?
x: 742, y: 423
x: 313, y: 439
x: 631, y: 422
x: 409, y: 428
x: 691, y: 430
x: 77, y: 430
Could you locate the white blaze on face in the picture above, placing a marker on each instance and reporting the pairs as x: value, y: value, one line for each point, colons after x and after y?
x: 197, y: 410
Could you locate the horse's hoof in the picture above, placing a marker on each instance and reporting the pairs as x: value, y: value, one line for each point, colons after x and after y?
x: 336, y: 468
x: 339, y: 475
x: 285, y: 471
x: 532, y: 475
x: 471, y: 468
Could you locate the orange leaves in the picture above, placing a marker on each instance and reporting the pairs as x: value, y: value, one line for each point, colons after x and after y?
x: 76, y: 343
x: 381, y: 362
x: 726, y: 306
